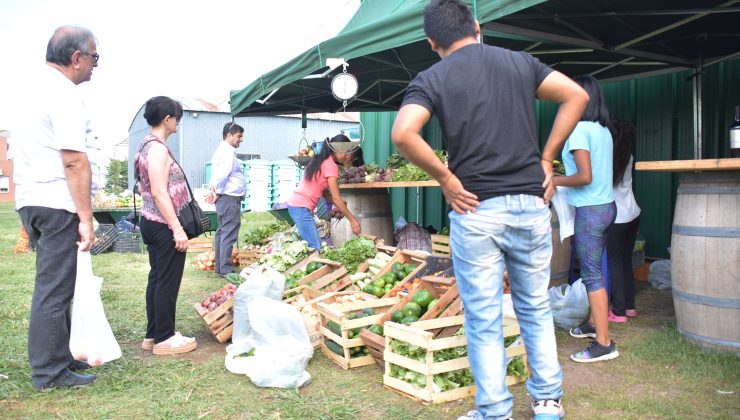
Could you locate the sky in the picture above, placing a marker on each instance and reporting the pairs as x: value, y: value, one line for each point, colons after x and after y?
x: 181, y: 48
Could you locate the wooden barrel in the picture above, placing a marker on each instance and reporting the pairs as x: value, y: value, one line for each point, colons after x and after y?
x: 705, y: 259
x: 372, y: 208
x: 560, y: 262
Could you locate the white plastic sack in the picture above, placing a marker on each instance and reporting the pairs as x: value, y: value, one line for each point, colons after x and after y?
x: 569, y: 304
x: 566, y: 212
x: 260, y: 281
x: 281, y: 346
x: 659, y: 274
x: 90, y: 337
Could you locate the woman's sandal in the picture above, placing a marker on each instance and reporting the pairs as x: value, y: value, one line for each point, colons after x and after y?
x: 147, y: 344
x: 174, y: 345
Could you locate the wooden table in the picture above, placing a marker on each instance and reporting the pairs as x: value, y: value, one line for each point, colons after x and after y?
x: 705, y: 250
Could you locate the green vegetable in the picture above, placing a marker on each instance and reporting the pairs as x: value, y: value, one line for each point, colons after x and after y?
x: 422, y: 298
x: 313, y: 266
x: 397, y: 316
x: 412, y: 308
x: 334, y: 327
x: 409, y: 319
x: 352, y: 253
x: 334, y: 347
x: 409, y: 172
x: 234, y: 278
x: 257, y: 235
x: 377, y: 329
x: 250, y: 353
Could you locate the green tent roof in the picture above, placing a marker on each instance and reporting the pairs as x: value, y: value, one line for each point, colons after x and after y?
x: 385, y: 46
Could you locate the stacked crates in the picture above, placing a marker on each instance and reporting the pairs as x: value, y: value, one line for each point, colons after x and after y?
x: 258, y: 173
x: 285, y: 177
x: 268, y: 183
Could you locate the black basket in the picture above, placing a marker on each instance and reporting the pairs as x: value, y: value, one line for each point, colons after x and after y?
x: 437, y: 263
x: 106, y: 235
x: 127, y: 242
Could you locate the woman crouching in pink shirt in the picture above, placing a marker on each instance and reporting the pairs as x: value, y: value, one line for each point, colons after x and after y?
x: 322, y: 173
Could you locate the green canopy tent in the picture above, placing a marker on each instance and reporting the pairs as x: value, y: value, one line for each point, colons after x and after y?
x: 385, y: 47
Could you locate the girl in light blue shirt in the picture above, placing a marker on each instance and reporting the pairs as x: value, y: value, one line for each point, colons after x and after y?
x: 587, y: 156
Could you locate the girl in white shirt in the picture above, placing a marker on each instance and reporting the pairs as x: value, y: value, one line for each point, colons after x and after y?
x: 621, y: 237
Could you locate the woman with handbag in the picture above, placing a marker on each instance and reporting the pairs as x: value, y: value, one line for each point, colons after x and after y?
x: 164, y: 192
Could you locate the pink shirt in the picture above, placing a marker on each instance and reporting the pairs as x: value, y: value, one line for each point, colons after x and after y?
x: 308, y: 193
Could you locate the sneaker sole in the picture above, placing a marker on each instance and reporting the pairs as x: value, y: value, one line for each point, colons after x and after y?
x: 608, y: 356
x: 175, y: 350
x: 147, y: 345
x: 585, y: 335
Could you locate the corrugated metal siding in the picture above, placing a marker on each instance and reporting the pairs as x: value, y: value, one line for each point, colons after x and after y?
x: 272, y: 138
x: 721, y: 95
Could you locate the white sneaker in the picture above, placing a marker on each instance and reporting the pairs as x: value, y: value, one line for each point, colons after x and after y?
x: 548, y: 409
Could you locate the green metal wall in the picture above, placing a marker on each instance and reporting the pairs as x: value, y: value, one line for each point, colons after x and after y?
x: 661, y: 107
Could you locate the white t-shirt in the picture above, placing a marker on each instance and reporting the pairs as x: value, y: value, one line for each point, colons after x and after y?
x: 627, y: 208
x: 53, y: 120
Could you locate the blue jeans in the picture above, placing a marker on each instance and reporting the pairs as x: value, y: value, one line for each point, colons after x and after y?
x: 303, y: 219
x: 513, y: 230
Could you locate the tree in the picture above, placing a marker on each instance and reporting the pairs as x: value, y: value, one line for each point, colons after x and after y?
x: 116, y: 180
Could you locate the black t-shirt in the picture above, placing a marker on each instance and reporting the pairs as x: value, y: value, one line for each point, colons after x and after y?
x: 484, y: 99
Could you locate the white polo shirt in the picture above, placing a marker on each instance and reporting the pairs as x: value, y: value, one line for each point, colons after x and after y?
x: 51, y: 118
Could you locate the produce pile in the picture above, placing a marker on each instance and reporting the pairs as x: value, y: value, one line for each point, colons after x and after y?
x: 291, y: 280
x: 286, y: 253
x: 206, y: 261
x: 399, y: 170
x: 447, y: 380
x: 218, y: 297
x: 108, y: 201
x: 358, y: 351
x: 352, y: 253
x: 385, y: 283
x: 258, y: 235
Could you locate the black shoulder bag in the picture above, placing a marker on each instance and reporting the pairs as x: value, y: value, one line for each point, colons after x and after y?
x: 194, y: 222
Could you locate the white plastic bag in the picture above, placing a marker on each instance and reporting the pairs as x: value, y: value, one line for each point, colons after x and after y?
x: 260, y: 281
x: 569, y: 304
x: 90, y: 335
x: 566, y: 212
x: 281, y: 346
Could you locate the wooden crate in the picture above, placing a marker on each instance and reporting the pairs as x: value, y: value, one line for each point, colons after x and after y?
x: 420, y: 334
x: 200, y: 244
x: 301, y: 265
x: 441, y: 245
x: 339, y: 313
x: 248, y: 257
x: 403, y: 256
x: 444, y: 289
x: 325, y: 278
x: 219, y: 321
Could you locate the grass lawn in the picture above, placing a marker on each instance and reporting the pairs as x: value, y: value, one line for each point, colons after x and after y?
x: 658, y: 375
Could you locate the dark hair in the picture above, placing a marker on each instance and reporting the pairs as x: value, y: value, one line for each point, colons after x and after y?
x: 314, y: 165
x: 448, y: 21
x: 596, y: 109
x: 623, y: 135
x: 65, y: 41
x: 158, y: 108
x: 232, y: 128
x: 359, y: 158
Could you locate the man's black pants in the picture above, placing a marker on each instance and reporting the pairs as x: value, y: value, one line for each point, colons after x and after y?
x: 55, y: 233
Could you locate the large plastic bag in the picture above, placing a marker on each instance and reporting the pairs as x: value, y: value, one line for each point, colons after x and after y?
x: 278, y: 350
x: 260, y: 281
x: 569, y: 304
x: 90, y: 335
x: 659, y: 274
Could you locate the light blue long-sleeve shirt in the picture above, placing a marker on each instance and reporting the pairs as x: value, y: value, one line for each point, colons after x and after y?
x: 227, y: 177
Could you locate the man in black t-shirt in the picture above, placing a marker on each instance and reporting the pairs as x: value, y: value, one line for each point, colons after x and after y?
x: 498, y: 185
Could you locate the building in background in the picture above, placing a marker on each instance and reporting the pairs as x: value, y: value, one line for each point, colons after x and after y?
x: 7, y: 186
x: 271, y: 138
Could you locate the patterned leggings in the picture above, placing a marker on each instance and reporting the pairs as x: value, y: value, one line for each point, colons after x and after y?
x: 591, y: 227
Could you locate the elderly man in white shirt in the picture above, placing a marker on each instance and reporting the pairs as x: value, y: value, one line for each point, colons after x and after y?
x: 228, y: 186
x: 54, y: 190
